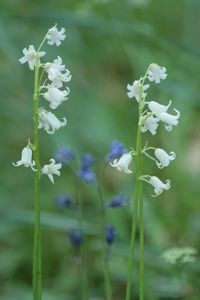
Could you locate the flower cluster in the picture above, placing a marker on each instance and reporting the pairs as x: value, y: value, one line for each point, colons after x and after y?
x: 56, y: 76
x: 180, y: 255
x: 152, y: 113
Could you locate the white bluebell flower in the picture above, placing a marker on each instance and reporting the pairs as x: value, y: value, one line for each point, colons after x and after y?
x: 122, y: 164
x: 26, y: 159
x: 51, y: 169
x: 133, y: 90
x: 49, y: 121
x: 157, y: 108
x: 163, y: 157
x: 169, y: 120
x: 55, y: 97
x: 30, y: 56
x: 149, y: 123
x: 157, y: 184
x: 55, y: 37
x: 157, y: 73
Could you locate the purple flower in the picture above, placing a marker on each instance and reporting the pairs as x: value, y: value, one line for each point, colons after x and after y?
x: 118, y: 201
x: 116, y: 151
x: 65, y: 155
x: 76, y: 237
x: 110, y: 234
x: 88, y: 161
x: 85, y: 173
x: 64, y: 201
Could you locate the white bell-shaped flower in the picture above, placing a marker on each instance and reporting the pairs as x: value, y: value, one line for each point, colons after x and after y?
x: 49, y: 121
x: 55, y: 65
x: 163, y: 157
x: 57, y: 78
x: 30, y: 56
x: 157, y: 73
x: 155, y: 107
x: 52, y: 169
x: 149, y: 123
x: 26, y: 159
x: 169, y: 120
x: 157, y: 184
x: 55, y: 37
x: 123, y: 163
x: 55, y: 96
x: 133, y: 90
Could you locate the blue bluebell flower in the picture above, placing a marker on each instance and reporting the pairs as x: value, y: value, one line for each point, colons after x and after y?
x: 88, y: 161
x: 118, y: 201
x: 76, y: 237
x: 110, y: 234
x: 64, y: 201
x: 117, y: 149
x: 85, y: 173
x: 65, y: 155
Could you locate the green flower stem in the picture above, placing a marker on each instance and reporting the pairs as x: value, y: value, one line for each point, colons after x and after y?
x: 140, y: 196
x: 138, y: 201
x: 83, y: 264
x: 107, y: 280
x: 37, y: 272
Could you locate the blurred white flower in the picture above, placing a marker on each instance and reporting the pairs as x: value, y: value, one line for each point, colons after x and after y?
x: 149, y: 123
x: 181, y: 255
x: 133, y: 90
x: 163, y: 157
x: 157, y: 184
x: 156, y: 73
x: 169, y: 120
x: 55, y: 65
x: 30, y: 56
x: 49, y: 121
x: 123, y: 163
x: 155, y: 107
x: 52, y: 169
x: 55, y: 37
x: 26, y: 159
x: 55, y: 96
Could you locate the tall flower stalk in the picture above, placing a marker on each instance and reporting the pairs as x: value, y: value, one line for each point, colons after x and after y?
x: 50, y: 123
x: 107, y: 279
x: 148, y: 120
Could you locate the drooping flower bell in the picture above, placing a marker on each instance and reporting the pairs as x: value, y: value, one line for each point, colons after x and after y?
x: 110, y: 234
x: 55, y: 96
x: 30, y: 56
x: 55, y: 37
x: 26, y: 159
x: 65, y: 155
x: 157, y: 108
x: 52, y: 169
x: 64, y: 201
x: 169, y: 120
x: 133, y: 90
x: 76, y: 237
x: 118, y: 201
x: 122, y: 164
x: 49, y: 121
x: 157, y: 184
x: 157, y: 73
x: 85, y: 173
x: 149, y: 123
x: 163, y: 157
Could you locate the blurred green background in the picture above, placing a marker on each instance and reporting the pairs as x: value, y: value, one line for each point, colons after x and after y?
x: 109, y: 43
